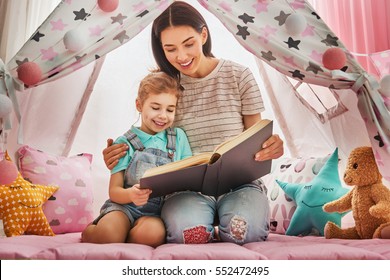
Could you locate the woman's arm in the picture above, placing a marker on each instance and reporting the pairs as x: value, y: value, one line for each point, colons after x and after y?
x: 272, y: 148
x: 113, y: 152
x: 250, y: 120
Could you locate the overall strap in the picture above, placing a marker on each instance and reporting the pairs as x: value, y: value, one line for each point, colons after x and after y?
x: 171, y: 145
x: 134, y: 140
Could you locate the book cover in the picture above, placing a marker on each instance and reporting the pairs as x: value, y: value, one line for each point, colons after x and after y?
x: 230, y: 165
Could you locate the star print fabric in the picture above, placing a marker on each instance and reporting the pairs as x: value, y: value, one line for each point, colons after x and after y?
x: 101, y: 31
x: 259, y: 25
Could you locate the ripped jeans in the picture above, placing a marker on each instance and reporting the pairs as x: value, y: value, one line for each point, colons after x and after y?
x: 243, y: 216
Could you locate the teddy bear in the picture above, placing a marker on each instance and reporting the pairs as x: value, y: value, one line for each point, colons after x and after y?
x: 369, y: 199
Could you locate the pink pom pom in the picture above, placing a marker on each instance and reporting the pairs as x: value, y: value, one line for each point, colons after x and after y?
x: 8, y: 172
x: 29, y: 73
x: 334, y: 58
x: 108, y: 5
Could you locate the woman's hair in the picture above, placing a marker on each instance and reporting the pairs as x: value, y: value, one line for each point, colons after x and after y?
x: 157, y: 82
x: 179, y: 13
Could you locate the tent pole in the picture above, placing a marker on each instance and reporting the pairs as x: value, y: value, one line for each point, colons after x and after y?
x: 83, y: 104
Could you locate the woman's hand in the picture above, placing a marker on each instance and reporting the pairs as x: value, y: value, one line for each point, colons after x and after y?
x: 113, y: 152
x: 271, y: 149
x: 139, y: 196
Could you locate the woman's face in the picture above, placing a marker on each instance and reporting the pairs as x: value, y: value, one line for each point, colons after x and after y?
x: 157, y: 112
x: 182, y: 46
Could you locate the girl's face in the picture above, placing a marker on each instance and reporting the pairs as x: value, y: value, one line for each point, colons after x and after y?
x: 157, y: 112
x: 182, y: 46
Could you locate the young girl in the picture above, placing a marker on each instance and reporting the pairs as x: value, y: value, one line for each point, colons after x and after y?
x: 129, y: 215
x: 220, y: 99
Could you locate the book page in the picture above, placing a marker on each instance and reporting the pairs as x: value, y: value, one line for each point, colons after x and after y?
x: 232, y: 142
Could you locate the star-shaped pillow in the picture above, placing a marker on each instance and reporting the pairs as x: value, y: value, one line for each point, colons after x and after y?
x: 311, y: 196
x: 21, y: 206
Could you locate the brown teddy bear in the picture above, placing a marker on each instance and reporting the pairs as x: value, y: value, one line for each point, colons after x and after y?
x: 369, y: 200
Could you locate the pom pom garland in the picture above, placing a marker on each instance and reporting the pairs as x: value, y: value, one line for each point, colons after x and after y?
x: 29, y: 73
x: 295, y: 24
x: 5, y: 106
x: 385, y: 86
x: 8, y: 172
x: 334, y: 59
x: 108, y: 5
x: 74, y: 40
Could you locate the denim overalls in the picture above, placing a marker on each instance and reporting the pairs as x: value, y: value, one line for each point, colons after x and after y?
x: 142, y: 160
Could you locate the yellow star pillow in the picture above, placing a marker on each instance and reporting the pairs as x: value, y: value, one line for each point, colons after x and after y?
x: 21, y: 206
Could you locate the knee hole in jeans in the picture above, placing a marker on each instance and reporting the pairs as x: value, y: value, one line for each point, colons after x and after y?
x: 238, y: 228
x: 196, y: 235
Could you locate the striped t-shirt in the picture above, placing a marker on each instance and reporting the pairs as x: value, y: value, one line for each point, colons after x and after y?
x: 211, y: 108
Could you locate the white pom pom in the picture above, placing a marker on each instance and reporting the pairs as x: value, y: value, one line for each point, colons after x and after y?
x: 75, y: 40
x: 385, y: 85
x: 5, y: 106
x: 295, y: 24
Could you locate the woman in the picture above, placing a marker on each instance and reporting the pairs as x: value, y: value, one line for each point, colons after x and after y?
x: 220, y: 99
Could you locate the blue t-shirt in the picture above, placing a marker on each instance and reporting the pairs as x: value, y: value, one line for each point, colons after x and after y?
x: 157, y: 141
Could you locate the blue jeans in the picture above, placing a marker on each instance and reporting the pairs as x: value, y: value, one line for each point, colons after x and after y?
x: 243, y: 216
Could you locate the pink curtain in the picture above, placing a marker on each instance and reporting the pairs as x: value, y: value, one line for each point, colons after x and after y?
x: 363, y: 26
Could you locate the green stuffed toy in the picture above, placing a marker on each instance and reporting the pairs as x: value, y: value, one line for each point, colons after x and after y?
x: 311, y: 196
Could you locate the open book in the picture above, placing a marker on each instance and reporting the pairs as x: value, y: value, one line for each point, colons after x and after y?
x: 230, y: 165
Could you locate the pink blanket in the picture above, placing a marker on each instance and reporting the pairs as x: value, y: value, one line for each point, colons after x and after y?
x: 277, y: 247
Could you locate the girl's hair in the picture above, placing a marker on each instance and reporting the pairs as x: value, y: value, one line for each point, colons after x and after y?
x: 157, y: 82
x: 177, y: 14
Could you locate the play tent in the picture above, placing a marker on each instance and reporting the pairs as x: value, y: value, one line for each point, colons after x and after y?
x: 92, y: 58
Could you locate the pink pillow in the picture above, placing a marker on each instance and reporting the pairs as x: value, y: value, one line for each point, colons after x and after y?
x: 70, y: 208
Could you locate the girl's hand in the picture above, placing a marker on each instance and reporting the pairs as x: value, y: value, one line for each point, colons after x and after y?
x: 112, y: 153
x: 139, y: 196
x: 271, y: 149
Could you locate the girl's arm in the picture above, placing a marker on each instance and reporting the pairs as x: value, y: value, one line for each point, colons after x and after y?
x: 272, y: 148
x: 121, y: 195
